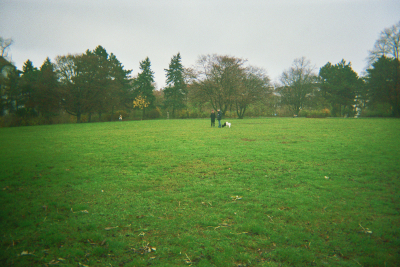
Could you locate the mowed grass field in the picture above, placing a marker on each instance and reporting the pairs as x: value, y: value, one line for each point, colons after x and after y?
x: 265, y: 192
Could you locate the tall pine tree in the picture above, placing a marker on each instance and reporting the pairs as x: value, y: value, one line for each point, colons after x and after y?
x: 28, y: 86
x: 47, y: 97
x: 144, y: 83
x: 176, y: 91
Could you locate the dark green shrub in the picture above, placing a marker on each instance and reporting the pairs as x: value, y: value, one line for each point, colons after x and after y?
x: 304, y: 113
x: 378, y: 110
x: 322, y: 113
x: 123, y: 113
x: 154, y: 113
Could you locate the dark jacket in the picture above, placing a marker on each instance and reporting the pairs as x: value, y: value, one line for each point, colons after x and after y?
x: 212, y: 116
x: 219, y: 116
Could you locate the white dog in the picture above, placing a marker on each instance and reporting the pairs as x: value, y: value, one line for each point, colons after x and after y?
x: 226, y: 124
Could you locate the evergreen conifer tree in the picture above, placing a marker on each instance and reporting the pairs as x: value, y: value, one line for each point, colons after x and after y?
x: 144, y: 83
x: 176, y: 91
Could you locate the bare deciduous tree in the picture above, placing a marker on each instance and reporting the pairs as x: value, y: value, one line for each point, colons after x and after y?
x: 218, y: 80
x: 5, y: 46
x: 297, y: 83
x: 255, y: 88
x: 387, y: 45
x: 226, y: 83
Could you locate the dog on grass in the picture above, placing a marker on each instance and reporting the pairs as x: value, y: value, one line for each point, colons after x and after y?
x: 226, y: 124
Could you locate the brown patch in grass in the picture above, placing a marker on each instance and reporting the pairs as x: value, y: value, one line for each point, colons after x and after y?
x: 248, y: 140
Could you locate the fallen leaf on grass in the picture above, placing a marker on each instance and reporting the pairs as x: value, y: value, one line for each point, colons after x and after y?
x: 80, y: 264
x: 109, y: 228
x: 243, y: 233
x: 83, y: 211
x: 27, y: 253
x: 188, y: 260
x: 146, y: 249
x: 236, y: 197
x: 222, y: 225
x: 365, y: 230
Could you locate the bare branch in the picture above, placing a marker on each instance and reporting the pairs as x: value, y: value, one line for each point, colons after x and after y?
x: 5, y: 45
x: 387, y: 45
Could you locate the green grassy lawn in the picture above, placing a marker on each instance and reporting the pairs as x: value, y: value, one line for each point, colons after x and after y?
x: 266, y: 192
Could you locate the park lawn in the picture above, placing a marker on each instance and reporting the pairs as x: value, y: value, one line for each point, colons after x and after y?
x: 265, y: 192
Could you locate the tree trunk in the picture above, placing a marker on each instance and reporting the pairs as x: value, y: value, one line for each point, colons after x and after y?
x: 240, y: 112
x: 396, y: 108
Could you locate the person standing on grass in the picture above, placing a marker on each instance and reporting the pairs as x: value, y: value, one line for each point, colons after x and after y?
x: 212, y: 118
x: 219, y: 118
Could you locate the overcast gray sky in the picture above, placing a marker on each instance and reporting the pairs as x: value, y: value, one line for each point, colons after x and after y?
x: 268, y: 33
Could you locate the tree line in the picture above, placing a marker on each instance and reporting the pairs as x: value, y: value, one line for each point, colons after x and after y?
x: 95, y: 86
